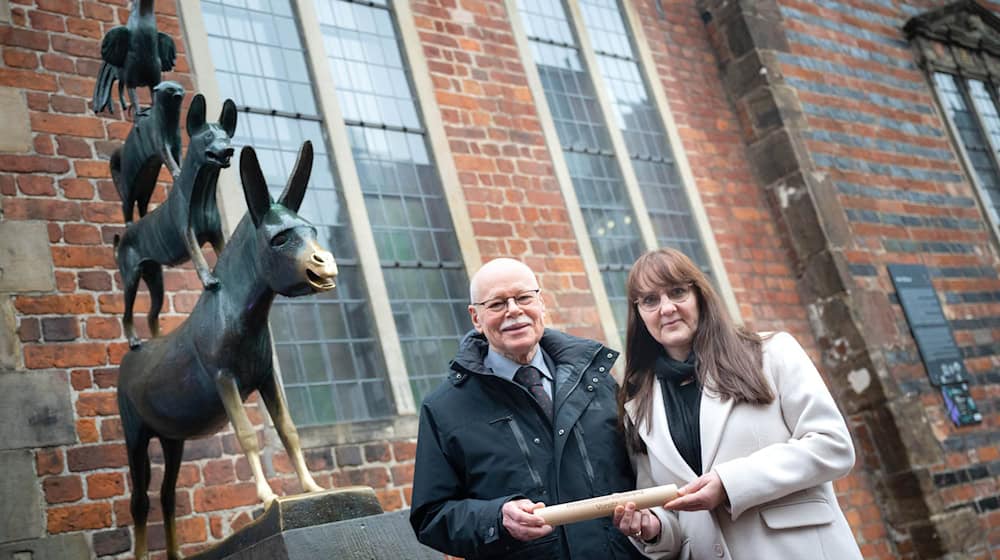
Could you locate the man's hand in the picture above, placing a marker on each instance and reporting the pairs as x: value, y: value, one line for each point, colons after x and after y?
x: 703, y: 493
x: 641, y: 524
x: 521, y: 522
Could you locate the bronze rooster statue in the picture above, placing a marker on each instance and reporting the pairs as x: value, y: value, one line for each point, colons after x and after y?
x: 135, y: 55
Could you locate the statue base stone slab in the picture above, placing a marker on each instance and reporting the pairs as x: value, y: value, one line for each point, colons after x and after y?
x: 342, y: 524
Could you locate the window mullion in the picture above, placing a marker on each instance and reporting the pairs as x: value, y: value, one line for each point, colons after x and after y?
x: 614, y: 131
x: 649, y: 73
x: 994, y: 148
x: 347, y: 174
x: 959, y: 144
x: 434, y: 129
x: 232, y: 203
x: 561, y: 170
x: 986, y: 201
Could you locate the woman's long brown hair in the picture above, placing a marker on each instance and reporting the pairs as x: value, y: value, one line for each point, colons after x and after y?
x: 728, y: 359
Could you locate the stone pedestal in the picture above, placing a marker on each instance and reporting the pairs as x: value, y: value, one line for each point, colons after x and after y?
x: 343, y: 524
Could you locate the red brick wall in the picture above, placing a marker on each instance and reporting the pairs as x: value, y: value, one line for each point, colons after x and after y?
x: 906, y: 194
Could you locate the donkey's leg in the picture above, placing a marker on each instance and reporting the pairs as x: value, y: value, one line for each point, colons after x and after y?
x: 137, y: 445
x: 173, y: 451
x: 274, y: 400
x: 245, y: 432
x: 152, y: 273
x: 198, y: 259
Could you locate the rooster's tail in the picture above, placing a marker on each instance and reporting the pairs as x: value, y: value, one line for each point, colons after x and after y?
x: 102, y: 89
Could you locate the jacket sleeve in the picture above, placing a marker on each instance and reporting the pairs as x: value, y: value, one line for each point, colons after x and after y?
x: 819, y: 449
x: 441, y: 516
x: 668, y: 544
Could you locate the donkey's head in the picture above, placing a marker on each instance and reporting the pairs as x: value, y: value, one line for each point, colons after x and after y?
x: 210, y: 142
x: 292, y: 261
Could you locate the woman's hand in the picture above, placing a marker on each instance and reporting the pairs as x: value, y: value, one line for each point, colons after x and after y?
x: 703, y: 493
x: 521, y: 522
x: 641, y: 524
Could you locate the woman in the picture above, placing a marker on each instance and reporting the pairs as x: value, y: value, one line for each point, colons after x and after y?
x: 742, y: 424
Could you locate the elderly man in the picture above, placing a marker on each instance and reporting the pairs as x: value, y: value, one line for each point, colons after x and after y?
x: 527, y: 417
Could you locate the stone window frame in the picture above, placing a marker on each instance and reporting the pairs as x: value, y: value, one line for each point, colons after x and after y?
x: 654, y: 84
x: 232, y: 206
x: 962, y: 39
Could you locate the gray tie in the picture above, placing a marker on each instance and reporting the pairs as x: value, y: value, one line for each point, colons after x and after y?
x: 531, y: 379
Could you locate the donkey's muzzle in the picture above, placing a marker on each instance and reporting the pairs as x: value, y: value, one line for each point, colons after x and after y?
x: 321, y: 270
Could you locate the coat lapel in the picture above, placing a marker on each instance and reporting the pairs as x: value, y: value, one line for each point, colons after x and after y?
x: 659, y: 443
x: 712, y: 420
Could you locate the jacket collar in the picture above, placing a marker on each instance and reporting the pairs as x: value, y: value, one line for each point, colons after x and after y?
x: 711, y: 418
x: 567, y: 352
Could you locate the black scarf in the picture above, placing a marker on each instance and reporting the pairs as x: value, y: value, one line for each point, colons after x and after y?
x: 682, y: 400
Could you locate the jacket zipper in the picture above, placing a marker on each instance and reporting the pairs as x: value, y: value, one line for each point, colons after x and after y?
x: 523, y: 444
x: 583, y: 454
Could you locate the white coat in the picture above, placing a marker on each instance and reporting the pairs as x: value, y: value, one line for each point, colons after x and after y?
x: 775, y: 461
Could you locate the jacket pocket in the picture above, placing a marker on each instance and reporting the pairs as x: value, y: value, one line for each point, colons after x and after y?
x: 545, y: 548
x: 522, y: 444
x: 797, y: 514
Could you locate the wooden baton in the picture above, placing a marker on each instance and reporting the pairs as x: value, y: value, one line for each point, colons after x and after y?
x: 592, y: 508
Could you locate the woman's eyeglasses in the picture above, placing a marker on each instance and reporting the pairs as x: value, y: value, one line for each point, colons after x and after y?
x: 676, y: 294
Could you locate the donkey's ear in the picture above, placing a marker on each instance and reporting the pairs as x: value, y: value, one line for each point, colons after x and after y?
x: 196, y: 115
x: 295, y: 190
x: 254, y: 185
x: 228, y: 117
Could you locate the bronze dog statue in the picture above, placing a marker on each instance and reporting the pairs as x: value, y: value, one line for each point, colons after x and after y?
x: 155, y: 140
x: 176, y: 230
x: 190, y: 382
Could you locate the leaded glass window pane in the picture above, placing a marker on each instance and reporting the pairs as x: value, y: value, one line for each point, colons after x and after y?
x: 413, y: 231
x: 330, y: 360
x: 981, y: 156
x: 645, y: 138
x: 583, y: 135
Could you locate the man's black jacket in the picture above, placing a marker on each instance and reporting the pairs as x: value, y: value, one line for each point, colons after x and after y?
x: 483, y: 440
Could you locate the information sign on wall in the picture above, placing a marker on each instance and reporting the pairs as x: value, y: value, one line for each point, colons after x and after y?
x: 930, y: 329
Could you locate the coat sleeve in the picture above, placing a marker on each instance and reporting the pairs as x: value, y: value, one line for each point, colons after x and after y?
x: 441, y: 516
x: 819, y: 449
x: 668, y: 544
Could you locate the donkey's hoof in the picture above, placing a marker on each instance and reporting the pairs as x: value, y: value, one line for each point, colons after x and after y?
x: 134, y: 343
x: 210, y: 282
x: 268, y: 500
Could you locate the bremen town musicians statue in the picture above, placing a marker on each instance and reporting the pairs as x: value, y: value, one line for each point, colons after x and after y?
x: 189, y: 383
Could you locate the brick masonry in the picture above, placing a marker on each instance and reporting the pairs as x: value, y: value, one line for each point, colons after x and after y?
x: 867, y: 176
x: 812, y: 175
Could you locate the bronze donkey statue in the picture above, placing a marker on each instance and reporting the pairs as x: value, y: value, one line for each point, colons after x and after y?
x: 188, y: 383
x: 154, y: 141
x: 176, y: 230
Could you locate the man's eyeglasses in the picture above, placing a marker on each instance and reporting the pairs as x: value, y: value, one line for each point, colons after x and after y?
x: 676, y: 294
x: 523, y: 299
